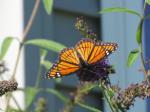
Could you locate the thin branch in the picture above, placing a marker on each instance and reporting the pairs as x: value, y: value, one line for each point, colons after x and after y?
x: 106, y: 97
x: 30, y: 22
x: 26, y: 30
x: 111, y: 107
x: 14, y: 99
x: 144, y: 8
x: 16, y: 65
x: 141, y: 46
x: 38, y: 76
x: 91, y: 109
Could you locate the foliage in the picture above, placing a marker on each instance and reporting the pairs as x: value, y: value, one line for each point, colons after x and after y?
x: 133, y: 55
x: 47, y: 44
x: 4, y: 47
x: 119, y: 9
x: 48, y: 6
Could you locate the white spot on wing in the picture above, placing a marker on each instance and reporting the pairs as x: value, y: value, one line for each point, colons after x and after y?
x: 107, y: 52
x: 58, y: 74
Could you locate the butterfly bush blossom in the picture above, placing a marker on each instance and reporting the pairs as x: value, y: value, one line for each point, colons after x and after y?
x: 126, y: 98
x: 7, y: 86
x: 101, y: 69
x: 84, y: 29
x: 98, y: 71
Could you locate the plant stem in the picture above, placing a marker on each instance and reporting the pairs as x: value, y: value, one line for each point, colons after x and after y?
x: 26, y: 30
x: 38, y: 76
x: 16, y: 64
x: 142, y: 58
x: 52, y: 91
x: 57, y: 93
x: 144, y: 8
x: 141, y: 46
x: 14, y: 99
x: 91, y: 109
x: 111, y: 107
x: 64, y: 98
x: 105, y: 95
x: 31, y: 19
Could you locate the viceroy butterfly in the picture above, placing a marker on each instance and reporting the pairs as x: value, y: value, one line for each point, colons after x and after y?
x: 84, y: 55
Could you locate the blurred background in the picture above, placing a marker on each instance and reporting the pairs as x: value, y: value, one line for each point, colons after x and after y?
x: 59, y: 26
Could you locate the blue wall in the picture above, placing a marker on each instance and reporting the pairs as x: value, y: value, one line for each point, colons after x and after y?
x: 121, y: 28
x: 147, y: 43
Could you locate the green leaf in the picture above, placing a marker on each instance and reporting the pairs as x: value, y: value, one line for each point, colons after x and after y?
x: 58, y: 94
x: 11, y: 109
x: 43, y: 53
x: 110, y: 92
x: 148, y: 2
x: 48, y: 5
x: 47, y: 64
x: 139, y: 32
x: 119, y: 9
x: 30, y: 95
x: 5, y: 45
x: 91, y: 109
x: 47, y: 44
x: 133, y: 55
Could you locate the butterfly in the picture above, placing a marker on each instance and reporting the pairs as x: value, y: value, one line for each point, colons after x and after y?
x: 85, y: 54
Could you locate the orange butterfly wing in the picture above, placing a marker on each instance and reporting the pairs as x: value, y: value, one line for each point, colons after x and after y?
x: 111, y: 47
x: 84, y: 48
x: 97, y: 54
x: 68, y: 63
x: 53, y: 71
x: 69, y: 55
x: 101, y: 51
x: 92, y: 52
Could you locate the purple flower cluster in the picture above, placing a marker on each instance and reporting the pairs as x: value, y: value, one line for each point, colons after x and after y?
x: 98, y: 71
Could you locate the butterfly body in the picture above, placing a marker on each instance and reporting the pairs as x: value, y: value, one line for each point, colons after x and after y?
x: 81, y: 58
